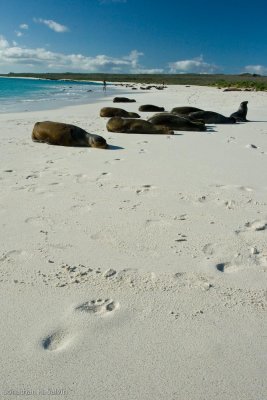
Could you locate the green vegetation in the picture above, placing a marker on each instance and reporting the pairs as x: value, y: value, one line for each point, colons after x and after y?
x: 249, y: 84
x: 246, y: 81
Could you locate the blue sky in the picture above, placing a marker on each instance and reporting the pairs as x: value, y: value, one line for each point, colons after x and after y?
x: 133, y: 36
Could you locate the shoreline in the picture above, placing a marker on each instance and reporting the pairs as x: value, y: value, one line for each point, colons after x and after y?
x: 39, y: 104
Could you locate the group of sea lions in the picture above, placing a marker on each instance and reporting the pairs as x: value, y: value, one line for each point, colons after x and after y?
x: 179, y: 119
x: 211, y: 117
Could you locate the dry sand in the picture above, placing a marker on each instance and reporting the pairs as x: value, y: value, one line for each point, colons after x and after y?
x: 137, y: 272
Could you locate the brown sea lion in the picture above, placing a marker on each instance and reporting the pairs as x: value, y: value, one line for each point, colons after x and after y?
x: 241, y: 114
x: 117, y: 112
x: 210, y: 117
x: 150, y: 107
x: 123, y: 100
x: 185, y: 110
x: 117, y: 124
x: 177, y: 122
x: 61, y: 134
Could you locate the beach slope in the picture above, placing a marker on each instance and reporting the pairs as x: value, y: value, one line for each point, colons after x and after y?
x: 139, y: 271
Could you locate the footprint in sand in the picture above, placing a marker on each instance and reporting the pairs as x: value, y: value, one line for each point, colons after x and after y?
x: 231, y: 139
x: 98, y: 307
x: 245, y: 188
x: 222, y: 266
x: 56, y: 341
x: 229, y: 268
x: 142, y: 151
x: 55, y: 184
x: 144, y: 189
x: 202, y: 199
x: 13, y: 255
x: 182, y: 217
x: 230, y: 204
x: 115, y: 160
x: 256, y: 225
x: 102, y: 175
x: 33, y: 176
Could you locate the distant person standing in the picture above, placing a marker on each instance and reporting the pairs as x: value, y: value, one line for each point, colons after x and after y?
x: 104, y: 85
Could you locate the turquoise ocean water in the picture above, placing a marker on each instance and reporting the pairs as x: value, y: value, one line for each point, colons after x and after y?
x: 18, y: 94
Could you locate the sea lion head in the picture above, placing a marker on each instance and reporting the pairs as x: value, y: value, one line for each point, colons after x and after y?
x: 97, y: 141
x: 241, y: 114
x: 133, y: 115
x: 243, y: 106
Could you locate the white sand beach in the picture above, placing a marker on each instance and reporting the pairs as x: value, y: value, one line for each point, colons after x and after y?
x: 136, y: 272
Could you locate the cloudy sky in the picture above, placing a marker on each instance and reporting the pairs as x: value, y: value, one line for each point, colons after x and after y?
x: 133, y: 36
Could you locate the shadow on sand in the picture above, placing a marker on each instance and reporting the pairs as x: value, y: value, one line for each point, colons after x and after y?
x: 112, y: 147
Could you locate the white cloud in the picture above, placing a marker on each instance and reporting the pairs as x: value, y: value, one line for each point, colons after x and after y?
x: 55, y: 26
x: 196, y: 65
x: 256, y: 69
x: 18, y: 33
x: 133, y: 58
x: 22, y: 59
x: 24, y: 26
x: 17, y: 58
x: 136, y: 68
x: 3, y: 43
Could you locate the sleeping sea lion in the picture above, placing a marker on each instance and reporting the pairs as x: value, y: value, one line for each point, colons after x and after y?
x: 117, y: 124
x: 117, y: 112
x: 123, y: 100
x: 241, y: 114
x: 177, y: 122
x: 150, y: 107
x: 210, y: 117
x: 61, y: 134
x: 185, y: 110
